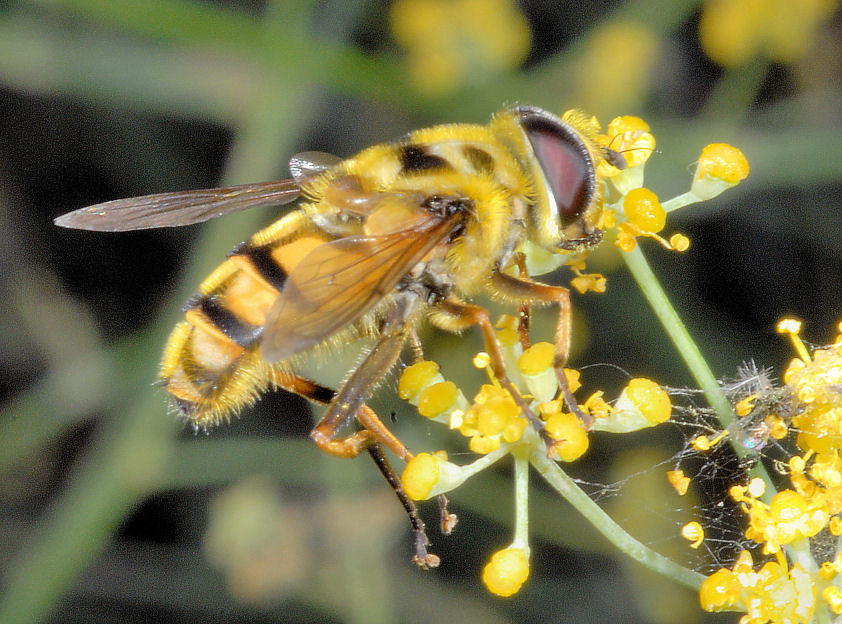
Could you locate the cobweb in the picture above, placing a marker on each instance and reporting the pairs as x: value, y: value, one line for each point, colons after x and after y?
x: 713, y: 472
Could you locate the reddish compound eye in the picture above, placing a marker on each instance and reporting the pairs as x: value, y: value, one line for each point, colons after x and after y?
x: 566, y: 172
x: 565, y: 162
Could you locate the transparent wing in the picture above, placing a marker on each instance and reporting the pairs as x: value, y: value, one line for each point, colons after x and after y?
x: 308, y: 165
x: 178, y: 208
x: 338, y: 282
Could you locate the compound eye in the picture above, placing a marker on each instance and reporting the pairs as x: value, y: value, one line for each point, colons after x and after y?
x: 566, y: 164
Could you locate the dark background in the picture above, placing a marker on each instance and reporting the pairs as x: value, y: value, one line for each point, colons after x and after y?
x: 112, y: 512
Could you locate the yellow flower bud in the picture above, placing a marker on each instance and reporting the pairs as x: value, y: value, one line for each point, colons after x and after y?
x: 719, y: 591
x: 643, y: 209
x: 642, y: 404
x: 437, y: 399
x: 720, y: 167
x: 571, y: 440
x: 506, y: 572
x: 420, y: 475
x: 417, y: 377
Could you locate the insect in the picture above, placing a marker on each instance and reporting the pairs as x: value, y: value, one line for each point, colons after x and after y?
x: 400, y: 232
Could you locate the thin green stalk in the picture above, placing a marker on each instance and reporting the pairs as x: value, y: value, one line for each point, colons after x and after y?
x: 612, y: 531
x: 521, y: 499
x: 651, y: 288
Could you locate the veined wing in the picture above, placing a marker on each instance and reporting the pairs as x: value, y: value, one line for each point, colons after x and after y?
x: 338, y: 282
x: 178, y: 208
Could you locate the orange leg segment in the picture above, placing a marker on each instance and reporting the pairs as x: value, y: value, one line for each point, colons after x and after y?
x: 369, y: 439
x: 526, y: 290
x: 477, y: 315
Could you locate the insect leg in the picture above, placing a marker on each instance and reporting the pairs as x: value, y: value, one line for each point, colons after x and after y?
x: 470, y: 314
x: 368, y: 418
x: 524, y: 291
x: 415, y: 344
x: 422, y: 558
x: 349, y: 402
x: 524, y: 320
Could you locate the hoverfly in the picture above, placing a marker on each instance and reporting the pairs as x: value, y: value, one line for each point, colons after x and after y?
x: 399, y: 232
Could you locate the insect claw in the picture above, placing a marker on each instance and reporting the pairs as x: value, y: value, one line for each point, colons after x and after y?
x: 422, y: 558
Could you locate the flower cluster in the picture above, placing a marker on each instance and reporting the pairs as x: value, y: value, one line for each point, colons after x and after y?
x: 634, y: 211
x: 496, y: 426
x: 734, y: 32
x: 453, y: 42
x: 792, y: 519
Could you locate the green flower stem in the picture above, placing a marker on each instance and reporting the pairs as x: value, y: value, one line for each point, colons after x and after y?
x: 521, y: 457
x: 612, y: 531
x: 685, y: 199
x: 484, y: 462
x: 679, y: 335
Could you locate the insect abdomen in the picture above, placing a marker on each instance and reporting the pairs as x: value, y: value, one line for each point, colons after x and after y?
x: 211, y: 365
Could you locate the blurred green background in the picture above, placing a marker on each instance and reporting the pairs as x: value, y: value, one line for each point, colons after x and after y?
x: 110, y: 511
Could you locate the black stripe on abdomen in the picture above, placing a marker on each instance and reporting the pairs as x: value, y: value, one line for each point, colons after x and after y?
x: 263, y: 262
x: 244, y: 334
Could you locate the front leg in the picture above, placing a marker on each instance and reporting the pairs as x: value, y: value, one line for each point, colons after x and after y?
x: 525, y: 291
x: 460, y: 315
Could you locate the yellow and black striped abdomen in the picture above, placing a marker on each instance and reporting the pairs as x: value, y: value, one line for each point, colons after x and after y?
x: 211, y: 365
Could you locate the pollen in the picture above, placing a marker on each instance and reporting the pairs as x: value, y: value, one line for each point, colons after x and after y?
x: 720, y: 591
x: 643, y: 209
x: 701, y: 443
x: 630, y: 136
x: 537, y: 358
x: 506, y: 572
x: 482, y: 445
x: 513, y: 431
x: 720, y: 160
x: 774, y: 593
x: 679, y: 481
x: 651, y: 399
x: 789, y: 326
x: 482, y: 360
x: 679, y: 242
x: 792, y: 327
x: 536, y: 365
x: 642, y: 404
x: 744, y: 406
x: 833, y: 597
x: 756, y: 487
x: 719, y: 168
x: 493, y: 417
